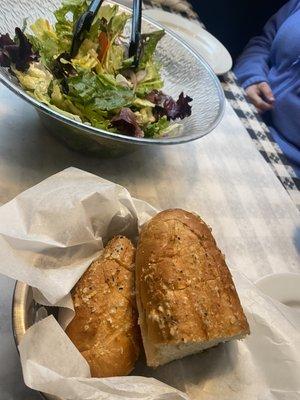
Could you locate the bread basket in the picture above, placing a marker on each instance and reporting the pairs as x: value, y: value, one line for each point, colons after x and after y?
x: 25, y: 312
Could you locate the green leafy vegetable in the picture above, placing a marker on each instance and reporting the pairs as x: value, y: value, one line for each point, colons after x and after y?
x: 148, y: 46
x: 99, y: 92
x: 151, y: 81
x: 45, y: 40
x: 36, y: 80
x: 68, y: 114
x: 156, y: 129
x: 66, y: 16
x: 87, y: 57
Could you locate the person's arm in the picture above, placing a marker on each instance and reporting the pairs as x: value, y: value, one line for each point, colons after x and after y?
x: 252, y: 66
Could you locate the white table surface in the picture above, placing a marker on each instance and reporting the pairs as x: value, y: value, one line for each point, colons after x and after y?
x: 221, y: 176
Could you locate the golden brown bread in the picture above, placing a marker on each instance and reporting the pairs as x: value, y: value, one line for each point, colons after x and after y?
x: 185, y: 294
x: 104, y: 328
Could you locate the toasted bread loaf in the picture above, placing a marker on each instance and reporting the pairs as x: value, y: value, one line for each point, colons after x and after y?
x: 186, y: 298
x: 104, y: 328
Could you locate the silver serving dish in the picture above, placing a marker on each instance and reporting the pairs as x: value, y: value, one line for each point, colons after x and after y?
x: 182, y: 69
x: 25, y: 312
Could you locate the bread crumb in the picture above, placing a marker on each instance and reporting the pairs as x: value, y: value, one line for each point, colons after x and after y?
x: 153, y: 316
x: 173, y: 330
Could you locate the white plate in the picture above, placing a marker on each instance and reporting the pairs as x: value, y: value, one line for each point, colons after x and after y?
x: 283, y: 287
x: 202, y: 41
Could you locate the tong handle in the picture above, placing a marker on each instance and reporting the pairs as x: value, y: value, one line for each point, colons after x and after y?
x: 94, y: 6
x: 136, y: 27
x: 83, y: 25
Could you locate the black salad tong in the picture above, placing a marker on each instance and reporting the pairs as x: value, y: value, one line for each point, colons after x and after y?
x: 86, y: 19
x: 136, y: 26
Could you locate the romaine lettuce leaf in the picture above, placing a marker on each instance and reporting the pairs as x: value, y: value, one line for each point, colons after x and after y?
x: 45, y: 40
x: 114, y: 59
x: 99, y: 92
x: 145, y: 116
x: 103, y: 17
x: 142, y: 103
x: 107, y: 12
x: 66, y: 16
x: 173, y: 130
x: 148, y: 45
x: 68, y: 114
x: 97, y: 118
x: 127, y: 63
x: 122, y: 81
x: 57, y: 97
x: 87, y: 57
x: 36, y: 80
x: 111, y: 21
x: 157, y: 128
x: 39, y: 83
x: 151, y: 81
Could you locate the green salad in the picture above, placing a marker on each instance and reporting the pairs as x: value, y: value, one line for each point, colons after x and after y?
x: 99, y: 86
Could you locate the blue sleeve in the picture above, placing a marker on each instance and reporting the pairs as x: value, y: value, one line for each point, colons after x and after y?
x: 253, y: 65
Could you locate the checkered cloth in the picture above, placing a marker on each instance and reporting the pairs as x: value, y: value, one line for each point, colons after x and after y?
x: 261, y: 137
x: 247, y: 113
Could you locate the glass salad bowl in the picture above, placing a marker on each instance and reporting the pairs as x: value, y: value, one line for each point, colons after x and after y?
x: 182, y: 70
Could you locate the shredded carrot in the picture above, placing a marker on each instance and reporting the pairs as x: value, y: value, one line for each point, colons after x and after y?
x: 104, y: 44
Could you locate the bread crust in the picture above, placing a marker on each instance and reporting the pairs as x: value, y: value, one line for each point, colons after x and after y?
x: 105, y: 328
x: 185, y: 292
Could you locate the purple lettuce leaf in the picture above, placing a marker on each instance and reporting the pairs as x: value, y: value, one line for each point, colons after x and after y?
x: 5, y: 40
x: 126, y: 123
x: 166, y: 106
x: 63, y: 71
x: 18, y: 51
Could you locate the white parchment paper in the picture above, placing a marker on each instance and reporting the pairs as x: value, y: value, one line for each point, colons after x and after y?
x: 49, y: 235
